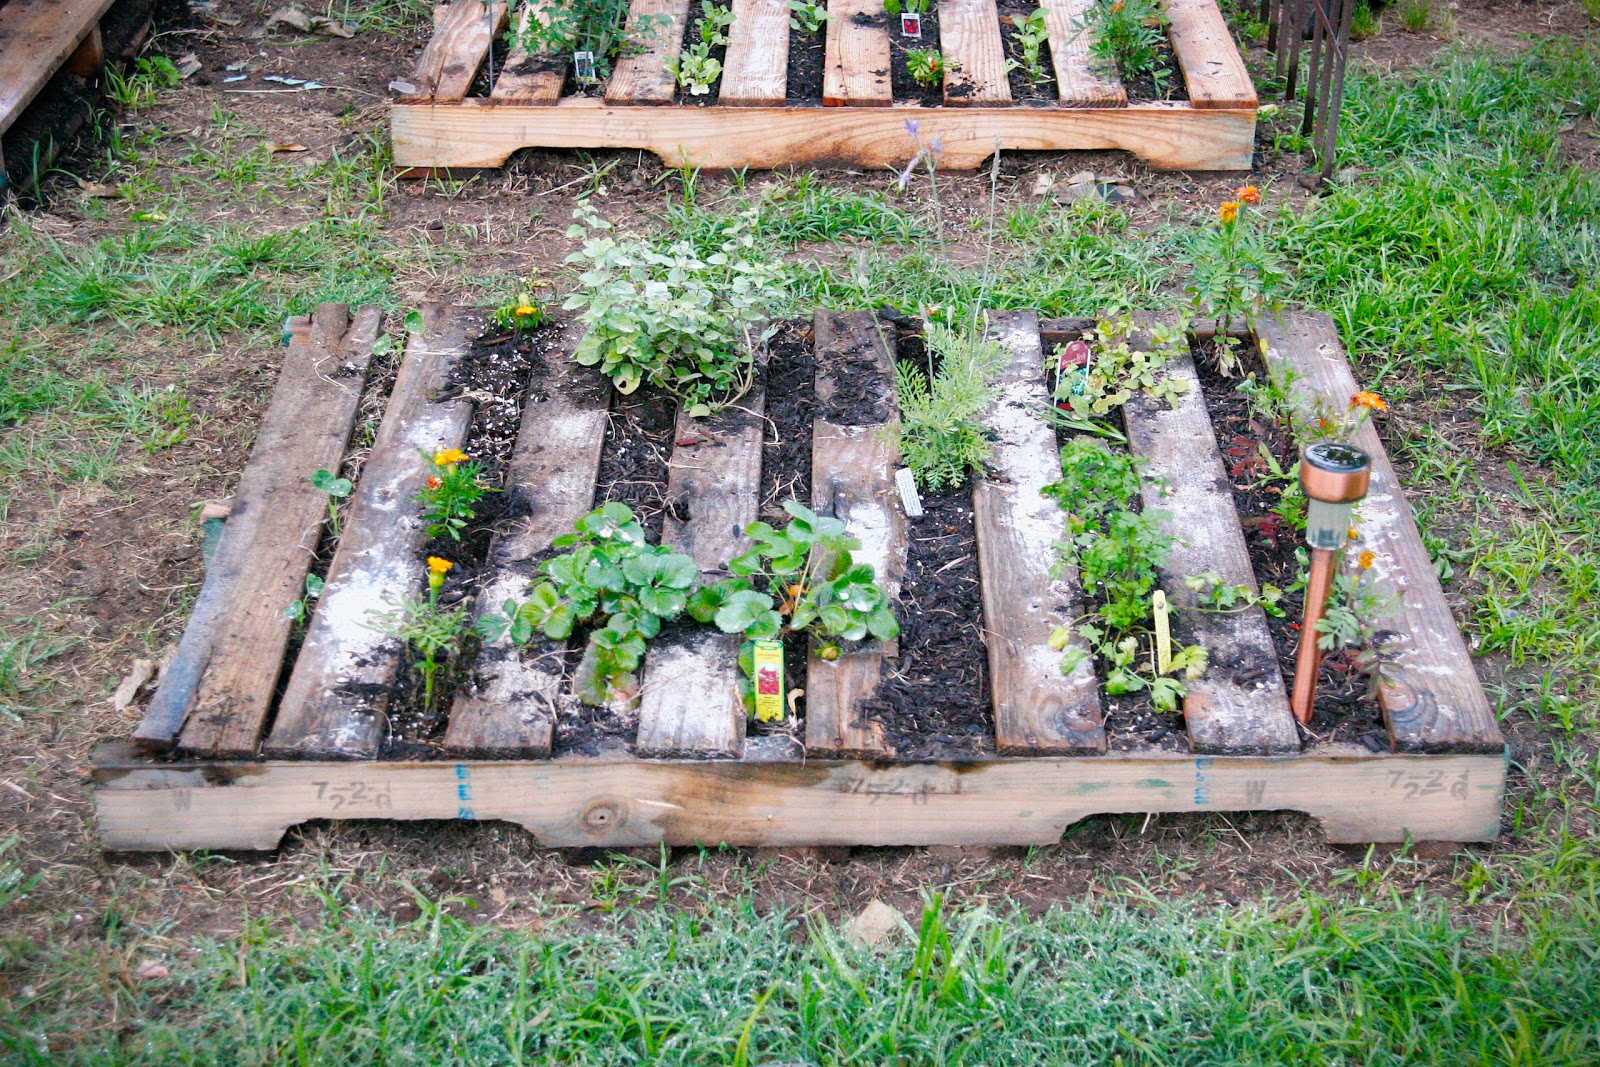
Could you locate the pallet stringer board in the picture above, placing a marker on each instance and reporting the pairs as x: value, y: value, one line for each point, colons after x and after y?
x: 1240, y: 706
x: 974, y: 55
x: 267, y: 543
x: 755, y: 71
x: 689, y: 704
x: 510, y: 709
x: 1213, y: 70
x: 855, y: 70
x: 336, y: 702
x: 1430, y: 694
x: 1078, y: 81
x: 1037, y: 709
x: 852, y: 478
x: 1359, y: 797
x: 641, y: 77
x: 484, y: 133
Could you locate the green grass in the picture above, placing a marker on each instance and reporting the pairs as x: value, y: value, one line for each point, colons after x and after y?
x: 732, y: 982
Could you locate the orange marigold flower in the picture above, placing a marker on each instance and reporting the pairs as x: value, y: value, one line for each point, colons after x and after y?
x: 1229, y: 210
x: 433, y: 483
x: 1248, y: 193
x: 1367, y: 559
x: 439, y: 566
x: 523, y: 311
x: 1365, y: 399
x: 449, y: 457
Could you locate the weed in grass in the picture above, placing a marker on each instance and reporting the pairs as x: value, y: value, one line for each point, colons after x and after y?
x: 140, y: 85
x: 1364, y: 25
x: 24, y: 646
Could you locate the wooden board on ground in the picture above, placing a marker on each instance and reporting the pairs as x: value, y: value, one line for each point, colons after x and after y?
x: 528, y: 77
x: 510, y: 710
x: 36, y: 38
x: 267, y: 543
x: 1357, y: 796
x: 689, y: 704
x: 484, y: 133
x: 974, y: 55
x: 1431, y: 697
x: 1079, y: 82
x: 336, y: 703
x: 1240, y: 706
x: 855, y: 69
x: 1037, y: 709
x: 450, y: 60
x: 852, y: 478
x: 641, y: 77
x: 755, y: 71
x: 1213, y: 70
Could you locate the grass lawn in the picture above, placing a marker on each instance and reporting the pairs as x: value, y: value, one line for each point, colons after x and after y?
x: 1458, y: 255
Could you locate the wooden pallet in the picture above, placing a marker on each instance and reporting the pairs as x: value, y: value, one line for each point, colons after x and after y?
x: 438, y: 126
x: 38, y: 39
x: 221, y: 762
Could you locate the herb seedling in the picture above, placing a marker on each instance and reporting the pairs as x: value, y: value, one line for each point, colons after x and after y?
x: 427, y: 629
x: 940, y: 435
x: 337, y: 489
x: 298, y: 611
x: 1031, y: 36
x: 450, y: 491
x: 598, y: 27
x: 807, y: 16
x: 1114, y: 372
x: 1215, y: 595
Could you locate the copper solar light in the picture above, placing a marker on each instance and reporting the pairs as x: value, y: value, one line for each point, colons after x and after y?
x: 1334, y: 477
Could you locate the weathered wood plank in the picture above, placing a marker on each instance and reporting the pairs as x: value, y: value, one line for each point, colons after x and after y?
x: 1240, y: 707
x: 456, y: 26
x: 755, y: 72
x: 641, y: 77
x: 530, y: 78
x: 855, y: 69
x: 337, y: 699
x: 1037, y: 709
x: 852, y: 478
x: 1213, y: 69
x: 510, y: 710
x: 1359, y: 797
x: 689, y: 703
x: 974, y: 55
x: 1078, y: 82
x: 483, y: 133
x: 466, y: 52
x: 36, y: 38
x: 1431, y: 697
x: 270, y: 539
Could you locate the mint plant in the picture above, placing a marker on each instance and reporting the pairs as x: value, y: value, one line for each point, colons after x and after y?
x: 612, y: 580
x: 683, y: 322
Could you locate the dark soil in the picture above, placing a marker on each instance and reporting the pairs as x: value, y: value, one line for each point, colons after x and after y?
x: 1023, y: 91
x: 806, y: 60
x: 862, y: 390
x: 1166, y: 84
x: 1344, y: 710
x: 903, y: 85
x: 633, y: 460
x: 934, y: 701
x: 791, y: 402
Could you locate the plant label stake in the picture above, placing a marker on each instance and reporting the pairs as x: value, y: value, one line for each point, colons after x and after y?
x: 768, y: 656
x: 910, y: 25
x: 583, y: 67
x: 906, y: 482
x: 1335, y: 477
x: 1163, y: 632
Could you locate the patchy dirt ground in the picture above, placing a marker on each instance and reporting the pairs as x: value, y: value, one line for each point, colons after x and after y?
x: 117, y: 564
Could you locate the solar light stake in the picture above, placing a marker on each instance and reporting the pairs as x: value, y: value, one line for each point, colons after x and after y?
x: 1334, y: 477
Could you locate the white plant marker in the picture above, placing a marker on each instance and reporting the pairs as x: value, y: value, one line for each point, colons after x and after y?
x: 1163, y: 632
x: 909, y: 500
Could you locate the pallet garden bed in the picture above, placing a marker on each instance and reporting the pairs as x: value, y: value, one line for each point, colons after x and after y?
x: 840, y: 96
x: 963, y: 730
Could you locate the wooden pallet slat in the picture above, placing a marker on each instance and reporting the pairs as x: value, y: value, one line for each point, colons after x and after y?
x: 510, y: 712
x: 458, y: 27
x: 974, y: 54
x: 1037, y: 709
x: 689, y: 702
x: 1078, y: 82
x: 755, y: 71
x: 528, y: 78
x: 36, y: 38
x: 271, y: 533
x: 1240, y: 707
x: 640, y: 76
x: 337, y: 698
x: 1431, y: 697
x: 1213, y: 70
x: 852, y: 478
x: 856, y: 55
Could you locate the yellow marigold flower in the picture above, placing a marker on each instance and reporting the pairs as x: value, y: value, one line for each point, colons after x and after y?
x: 1229, y: 210
x: 439, y: 566
x: 449, y: 457
x: 1365, y: 399
x: 1248, y: 193
x: 1352, y: 533
x: 523, y: 311
x: 1367, y: 559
